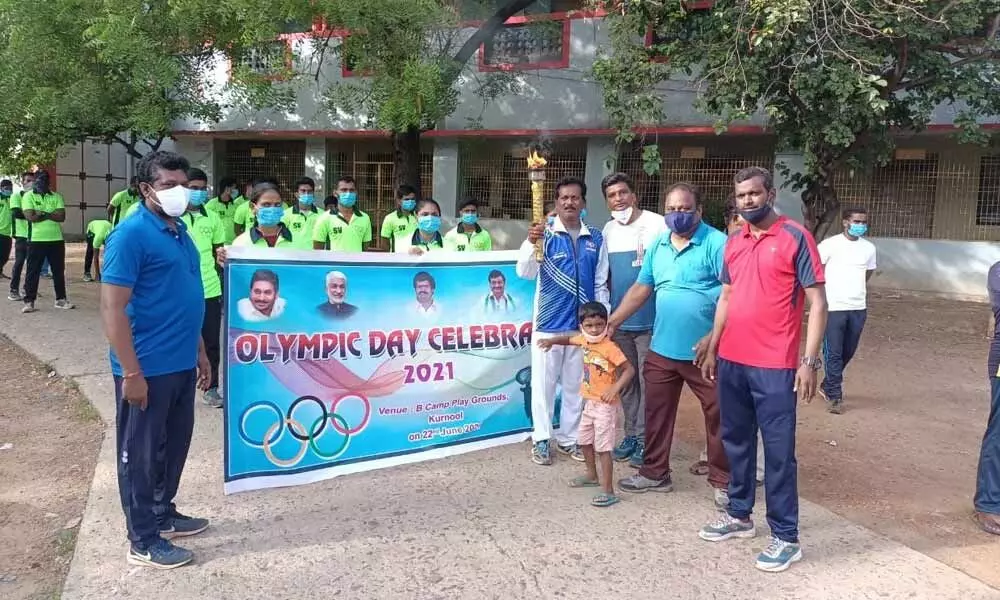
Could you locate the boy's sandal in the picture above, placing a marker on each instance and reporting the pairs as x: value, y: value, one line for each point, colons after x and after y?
x: 603, y: 500
x: 699, y: 468
x: 583, y: 481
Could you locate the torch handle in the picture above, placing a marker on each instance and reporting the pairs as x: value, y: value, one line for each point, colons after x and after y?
x: 538, y: 212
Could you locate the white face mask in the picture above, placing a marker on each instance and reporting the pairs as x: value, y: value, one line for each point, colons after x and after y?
x: 595, y: 339
x: 173, y: 201
x: 622, y: 216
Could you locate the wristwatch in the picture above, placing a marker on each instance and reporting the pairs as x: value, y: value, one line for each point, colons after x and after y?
x: 813, y: 363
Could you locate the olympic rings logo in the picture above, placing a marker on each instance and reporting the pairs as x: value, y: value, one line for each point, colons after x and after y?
x: 308, y: 437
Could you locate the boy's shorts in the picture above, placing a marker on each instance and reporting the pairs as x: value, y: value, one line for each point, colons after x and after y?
x: 598, y: 425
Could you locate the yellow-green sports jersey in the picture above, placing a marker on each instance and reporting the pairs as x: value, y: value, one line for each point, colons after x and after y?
x: 20, y: 225
x: 206, y: 231
x: 341, y: 235
x: 130, y: 211
x: 253, y: 237
x: 460, y: 241
x: 122, y: 202
x: 97, y: 232
x: 47, y: 230
x: 226, y: 212
x: 302, y: 224
x: 6, y: 222
x: 398, y: 225
x: 403, y: 245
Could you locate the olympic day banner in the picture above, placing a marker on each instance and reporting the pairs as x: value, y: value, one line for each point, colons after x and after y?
x: 341, y: 363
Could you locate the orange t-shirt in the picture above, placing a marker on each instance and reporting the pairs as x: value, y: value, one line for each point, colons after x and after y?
x: 600, y: 363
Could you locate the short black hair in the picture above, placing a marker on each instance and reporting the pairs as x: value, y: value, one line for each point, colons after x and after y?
x: 565, y: 181
x: 748, y: 173
x: 495, y: 274
x: 196, y: 174
x: 424, y: 276
x: 592, y: 309
x: 31, y: 174
x: 729, y: 212
x: 6, y: 182
x: 616, y: 178
x: 425, y: 201
x: 850, y: 211
x: 329, y: 201
x: 265, y: 275
x: 261, y: 188
x: 269, y: 179
x: 548, y: 206
x: 161, y: 160
x: 227, y: 182
x: 346, y: 179
x: 469, y: 201
x: 690, y: 188
x: 405, y: 190
x: 305, y: 181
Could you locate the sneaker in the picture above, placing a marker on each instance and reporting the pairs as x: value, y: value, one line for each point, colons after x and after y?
x: 637, y: 457
x: 778, y: 556
x: 726, y: 527
x: 835, y: 407
x: 65, y: 304
x: 577, y: 455
x: 29, y: 307
x: 14, y: 297
x: 540, y: 454
x: 721, y: 497
x: 88, y: 278
x: 213, y: 398
x: 161, y: 554
x: 639, y: 484
x: 566, y: 449
x: 183, y: 526
x: 625, y: 449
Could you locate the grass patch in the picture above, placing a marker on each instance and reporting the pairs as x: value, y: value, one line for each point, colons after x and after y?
x: 83, y: 410
x: 65, y: 543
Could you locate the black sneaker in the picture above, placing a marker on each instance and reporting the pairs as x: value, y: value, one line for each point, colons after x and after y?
x: 183, y: 526
x: 161, y: 554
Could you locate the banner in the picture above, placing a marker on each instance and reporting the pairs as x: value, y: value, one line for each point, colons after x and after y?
x: 339, y: 363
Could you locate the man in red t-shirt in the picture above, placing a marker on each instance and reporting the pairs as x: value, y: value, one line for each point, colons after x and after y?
x: 770, y: 267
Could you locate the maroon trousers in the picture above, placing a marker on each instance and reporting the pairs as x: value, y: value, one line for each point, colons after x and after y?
x: 665, y: 378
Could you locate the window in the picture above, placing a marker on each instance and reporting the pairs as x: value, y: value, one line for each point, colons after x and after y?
x: 268, y: 59
x: 988, y: 200
x: 528, y: 45
x: 483, y: 9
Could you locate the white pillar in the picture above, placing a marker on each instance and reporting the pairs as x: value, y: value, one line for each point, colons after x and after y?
x: 600, y: 151
x: 315, y: 166
x: 446, y: 176
x: 200, y: 152
x: 788, y: 201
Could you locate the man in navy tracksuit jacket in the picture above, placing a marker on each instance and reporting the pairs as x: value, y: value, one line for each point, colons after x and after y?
x: 574, y: 271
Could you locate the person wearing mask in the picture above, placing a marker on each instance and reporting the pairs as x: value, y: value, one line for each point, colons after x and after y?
x: 681, y: 268
x: 97, y: 233
x: 427, y: 236
x: 20, y: 231
x: 770, y: 268
x: 345, y: 228
x: 468, y: 235
x: 849, y: 262
x: 402, y: 222
x: 225, y: 204
x: 987, y: 499
x: 268, y: 231
x: 208, y: 235
x: 152, y: 309
x: 243, y: 215
x: 629, y: 233
x: 122, y: 201
x: 573, y: 271
x: 45, y: 212
x: 6, y: 223
x: 302, y: 216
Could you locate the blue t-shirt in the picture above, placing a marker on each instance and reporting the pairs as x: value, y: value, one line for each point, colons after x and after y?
x: 687, y: 289
x: 162, y: 268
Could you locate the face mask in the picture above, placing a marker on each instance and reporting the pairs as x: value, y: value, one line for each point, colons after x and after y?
x: 235, y: 195
x: 470, y: 218
x: 269, y: 216
x: 307, y: 199
x: 551, y: 221
x: 173, y: 201
x: 756, y: 215
x: 681, y: 223
x: 583, y: 213
x: 429, y: 223
x: 622, y: 216
x: 595, y: 339
x: 857, y: 229
x: 6, y: 193
x: 198, y: 197
x: 347, y: 199
x: 408, y: 204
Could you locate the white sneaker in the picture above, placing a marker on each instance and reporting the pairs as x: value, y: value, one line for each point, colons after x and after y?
x: 29, y: 307
x: 65, y: 304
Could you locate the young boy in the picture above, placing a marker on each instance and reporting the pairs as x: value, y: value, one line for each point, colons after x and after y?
x: 605, y: 372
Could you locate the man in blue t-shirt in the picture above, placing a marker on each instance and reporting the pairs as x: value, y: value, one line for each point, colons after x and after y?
x: 152, y: 304
x: 987, y: 500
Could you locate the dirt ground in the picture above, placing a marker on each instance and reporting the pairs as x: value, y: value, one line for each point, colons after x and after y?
x: 49, y: 439
x: 902, y: 459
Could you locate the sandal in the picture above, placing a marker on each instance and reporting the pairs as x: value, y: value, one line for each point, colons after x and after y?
x: 987, y: 522
x: 583, y: 481
x: 603, y: 500
x: 699, y: 468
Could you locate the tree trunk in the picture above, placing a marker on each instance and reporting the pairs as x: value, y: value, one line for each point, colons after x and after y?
x: 820, y: 206
x: 406, y: 158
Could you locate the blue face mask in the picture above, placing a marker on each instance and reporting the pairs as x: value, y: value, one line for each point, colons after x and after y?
x: 347, y: 199
x: 756, y: 215
x: 408, y: 204
x: 583, y: 213
x: 551, y: 221
x: 681, y: 223
x: 269, y: 216
x: 198, y: 197
x: 429, y: 223
x: 6, y: 193
x: 857, y: 229
x: 470, y: 218
x: 307, y: 199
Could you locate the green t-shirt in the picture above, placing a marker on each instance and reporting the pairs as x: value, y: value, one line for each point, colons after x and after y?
x: 122, y: 202
x: 130, y: 211
x: 99, y: 228
x: 396, y: 226
x: 6, y: 223
x: 342, y: 236
x: 20, y: 225
x: 302, y: 224
x: 206, y: 231
x: 252, y: 237
x: 47, y: 230
x: 225, y: 212
x: 403, y: 245
x: 458, y: 241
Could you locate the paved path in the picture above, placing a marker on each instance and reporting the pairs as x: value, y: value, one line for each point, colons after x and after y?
x: 483, y: 525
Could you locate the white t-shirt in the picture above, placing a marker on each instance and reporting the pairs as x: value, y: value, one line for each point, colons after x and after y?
x: 847, y: 264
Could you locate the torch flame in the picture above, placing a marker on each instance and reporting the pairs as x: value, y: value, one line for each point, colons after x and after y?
x: 535, y: 160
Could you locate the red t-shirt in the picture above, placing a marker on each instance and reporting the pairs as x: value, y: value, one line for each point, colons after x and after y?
x: 768, y: 276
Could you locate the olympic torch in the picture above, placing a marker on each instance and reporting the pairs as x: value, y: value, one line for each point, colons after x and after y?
x: 536, y: 175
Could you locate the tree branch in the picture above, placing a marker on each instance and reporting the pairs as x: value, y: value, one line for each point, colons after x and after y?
x: 485, y: 30
x: 908, y: 85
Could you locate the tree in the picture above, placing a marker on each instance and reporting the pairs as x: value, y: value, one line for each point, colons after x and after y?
x: 837, y: 79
